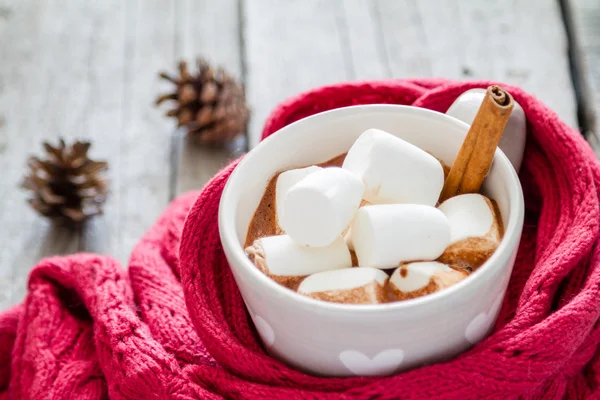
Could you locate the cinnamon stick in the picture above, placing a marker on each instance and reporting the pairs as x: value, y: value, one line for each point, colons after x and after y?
x: 476, y: 154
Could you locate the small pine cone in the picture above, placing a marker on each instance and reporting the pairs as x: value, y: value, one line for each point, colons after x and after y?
x: 67, y: 185
x: 209, y: 103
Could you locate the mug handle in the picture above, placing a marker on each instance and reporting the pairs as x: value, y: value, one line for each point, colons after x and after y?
x: 465, y: 108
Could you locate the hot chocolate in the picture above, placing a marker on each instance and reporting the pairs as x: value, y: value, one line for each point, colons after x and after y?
x: 325, y: 230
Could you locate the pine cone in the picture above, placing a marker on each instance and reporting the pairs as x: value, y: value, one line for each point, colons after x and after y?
x: 210, y: 103
x: 67, y: 186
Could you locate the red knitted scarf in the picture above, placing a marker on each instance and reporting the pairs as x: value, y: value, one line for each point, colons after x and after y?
x: 174, y: 325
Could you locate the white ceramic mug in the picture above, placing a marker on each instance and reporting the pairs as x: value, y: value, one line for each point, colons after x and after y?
x: 344, y: 340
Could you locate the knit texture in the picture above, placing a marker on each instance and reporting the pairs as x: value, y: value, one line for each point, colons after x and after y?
x: 174, y: 325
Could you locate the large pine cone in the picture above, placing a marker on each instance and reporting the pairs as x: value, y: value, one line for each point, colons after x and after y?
x: 210, y: 103
x: 67, y: 185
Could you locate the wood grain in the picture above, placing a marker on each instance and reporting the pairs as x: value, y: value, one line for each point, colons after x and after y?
x: 143, y: 183
x: 104, y: 123
x: 330, y: 41
x: 362, y: 29
x: 585, y: 20
x: 483, y: 40
x: 211, y: 32
x: 291, y: 46
x: 51, y: 54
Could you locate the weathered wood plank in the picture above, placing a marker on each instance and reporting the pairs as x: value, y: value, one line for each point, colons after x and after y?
x: 331, y: 41
x: 404, y: 39
x: 585, y: 23
x: 361, y: 25
x: 210, y: 31
x: 50, y: 54
x: 482, y: 40
x: 291, y: 46
x: 103, y: 124
x: 100, y: 88
x: 143, y: 181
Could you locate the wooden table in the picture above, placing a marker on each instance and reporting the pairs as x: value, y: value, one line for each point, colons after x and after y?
x: 89, y: 69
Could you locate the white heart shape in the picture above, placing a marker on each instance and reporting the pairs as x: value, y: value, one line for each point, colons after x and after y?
x: 265, y: 330
x: 383, y: 363
x: 482, y: 323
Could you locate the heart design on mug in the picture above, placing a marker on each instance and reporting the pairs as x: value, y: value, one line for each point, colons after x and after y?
x: 383, y: 363
x: 482, y: 323
x: 264, y: 329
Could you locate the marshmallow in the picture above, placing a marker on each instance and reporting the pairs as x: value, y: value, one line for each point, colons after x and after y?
x: 350, y: 286
x: 420, y: 278
x: 348, y: 239
x: 286, y: 262
x: 386, y: 235
x: 393, y: 170
x: 475, y: 230
x: 317, y: 209
x: 286, y: 180
x: 348, y: 232
x: 471, y: 215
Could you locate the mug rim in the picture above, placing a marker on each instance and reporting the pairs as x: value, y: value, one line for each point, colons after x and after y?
x: 232, y: 247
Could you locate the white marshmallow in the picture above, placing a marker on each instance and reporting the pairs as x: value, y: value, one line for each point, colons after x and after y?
x: 386, y: 235
x: 420, y: 278
x: 393, y: 170
x: 286, y: 180
x: 350, y: 285
x: 475, y: 230
x: 470, y: 215
x: 348, y: 232
x: 348, y: 239
x: 317, y: 209
x: 281, y: 256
